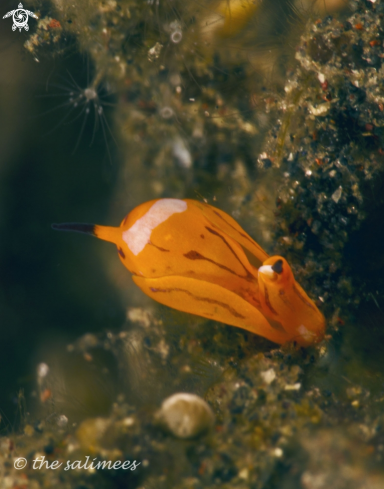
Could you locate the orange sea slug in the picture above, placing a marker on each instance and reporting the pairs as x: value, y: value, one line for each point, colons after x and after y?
x: 191, y: 256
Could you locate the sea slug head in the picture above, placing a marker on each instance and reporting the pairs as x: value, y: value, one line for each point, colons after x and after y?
x: 285, y: 302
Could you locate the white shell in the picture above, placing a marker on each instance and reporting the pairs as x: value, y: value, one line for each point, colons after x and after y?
x: 185, y: 415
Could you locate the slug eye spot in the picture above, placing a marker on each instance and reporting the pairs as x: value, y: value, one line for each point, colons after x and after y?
x: 278, y: 266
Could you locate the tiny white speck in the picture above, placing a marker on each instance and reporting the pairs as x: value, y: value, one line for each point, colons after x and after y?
x: 182, y: 154
x: 292, y: 387
x: 268, y: 375
x: 278, y: 452
x: 129, y: 421
x: 337, y: 194
x: 42, y: 370
x: 62, y: 421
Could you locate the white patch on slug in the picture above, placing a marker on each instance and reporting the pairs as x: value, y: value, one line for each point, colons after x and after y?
x: 138, y: 235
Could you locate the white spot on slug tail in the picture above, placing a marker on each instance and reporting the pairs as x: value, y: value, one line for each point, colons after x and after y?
x: 138, y: 235
x: 305, y: 333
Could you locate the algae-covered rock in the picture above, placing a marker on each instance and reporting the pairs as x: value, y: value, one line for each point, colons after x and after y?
x: 189, y: 80
x: 272, y: 414
x: 328, y: 148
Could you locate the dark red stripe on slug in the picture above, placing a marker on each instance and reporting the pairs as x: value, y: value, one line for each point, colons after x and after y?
x: 267, y: 301
x: 195, y: 255
x: 158, y: 247
x: 251, y: 298
x: 283, y: 297
x: 248, y: 275
x: 121, y: 253
x: 230, y: 309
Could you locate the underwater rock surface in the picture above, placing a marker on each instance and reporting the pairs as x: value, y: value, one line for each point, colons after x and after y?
x: 329, y: 149
x: 276, y: 425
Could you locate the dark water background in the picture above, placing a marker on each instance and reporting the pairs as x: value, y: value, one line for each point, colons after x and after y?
x: 51, y: 289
